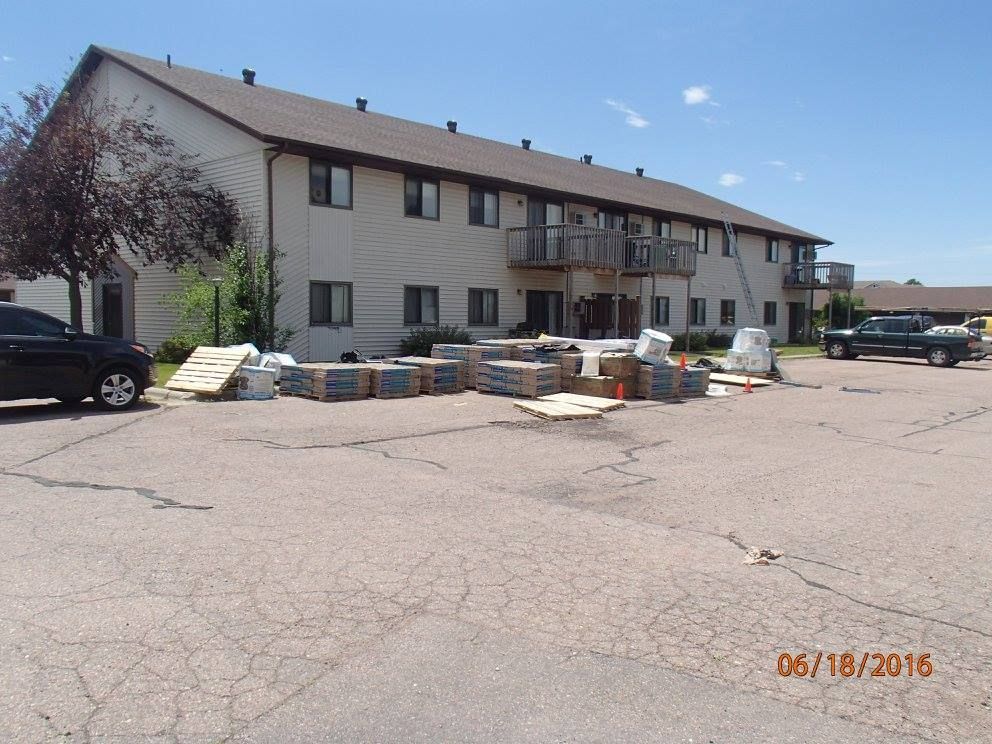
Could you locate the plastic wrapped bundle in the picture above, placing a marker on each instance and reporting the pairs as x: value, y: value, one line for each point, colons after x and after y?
x: 438, y: 375
x: 658, y: 382
x: 653, y: 346
x: 393, y: 380
x: 335, y: 382
x: 756, y: 360
x: 750, y: 339
x: 695, y: 382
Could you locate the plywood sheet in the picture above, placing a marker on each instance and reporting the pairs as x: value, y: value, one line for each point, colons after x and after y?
x: 554, y: 411
x: 586, y: 401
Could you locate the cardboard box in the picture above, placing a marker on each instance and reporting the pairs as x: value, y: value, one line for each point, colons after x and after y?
x: 604, y: 387
x: 616, y: 364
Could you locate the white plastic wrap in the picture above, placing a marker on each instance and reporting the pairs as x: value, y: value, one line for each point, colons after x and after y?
x: 653, y: 346
x: 757, y: 360
x: 274, y: 360
x: 253, y: 353
x: 750, y: 339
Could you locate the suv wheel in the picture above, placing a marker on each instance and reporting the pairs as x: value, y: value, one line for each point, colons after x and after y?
x: 116, y: 389
x: 837, y: 350
x: 939, y: 357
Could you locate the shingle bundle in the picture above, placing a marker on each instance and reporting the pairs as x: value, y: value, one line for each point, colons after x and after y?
x: 471, y: 355
x: 510, y: 377
x: 437, y: 375
x: 393, y: 380
x: 695, y: 382
x: 325, y: 382
x: 569, y: 361
x: 658, y: 381
x: 333, y: 382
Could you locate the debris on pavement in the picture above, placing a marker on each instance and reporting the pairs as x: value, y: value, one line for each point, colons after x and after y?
x: 760, y: 556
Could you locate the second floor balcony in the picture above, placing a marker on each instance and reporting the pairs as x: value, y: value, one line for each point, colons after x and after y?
x: 584, y: 247
x: 819, y: 275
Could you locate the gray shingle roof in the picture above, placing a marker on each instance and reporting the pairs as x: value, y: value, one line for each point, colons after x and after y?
x: 276, y: 115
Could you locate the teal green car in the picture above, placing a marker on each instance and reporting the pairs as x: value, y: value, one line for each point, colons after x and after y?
x: 901, y: 336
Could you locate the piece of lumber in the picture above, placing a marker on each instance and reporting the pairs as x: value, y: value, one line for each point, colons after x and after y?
x: 208, y: 370
x: 554, y: 411
x: 586, y: 401
x: 741, y: 380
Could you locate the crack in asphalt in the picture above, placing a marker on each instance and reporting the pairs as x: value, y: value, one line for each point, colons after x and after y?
x: 949, y: 420
x: 91, y: 437
x: 163, y: 502
x: 629, y: 459
x: 390, y: 456
x: 875, y: 442
x: 882, y: 608
x: 340, y: 445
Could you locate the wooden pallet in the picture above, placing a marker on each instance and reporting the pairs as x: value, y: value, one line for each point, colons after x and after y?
x: 741, y: 380
x: 555, y: 411
x: 209, y: 370
x: 586, y: 401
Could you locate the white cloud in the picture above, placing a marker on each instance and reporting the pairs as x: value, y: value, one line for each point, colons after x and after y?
x: 776, y: 163
x: 632, y: 118
x: 696, y: 94
x: 6, y: 58
x: 798, y: 176
x: 730, y: 179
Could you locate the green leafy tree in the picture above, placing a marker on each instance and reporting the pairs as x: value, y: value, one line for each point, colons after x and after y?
x: 914, y: 282
x: 244, y: 297
x: 821, y: 317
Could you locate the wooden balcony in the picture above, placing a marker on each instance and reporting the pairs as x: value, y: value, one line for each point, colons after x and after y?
x: 819, y: 275
x: 561, y: 247
x: 564, y: 247
x: 649, y: 254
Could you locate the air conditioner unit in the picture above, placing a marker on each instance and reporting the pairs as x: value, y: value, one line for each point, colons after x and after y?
x: 577, y: 218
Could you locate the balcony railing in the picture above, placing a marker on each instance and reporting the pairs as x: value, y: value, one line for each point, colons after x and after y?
x: 818, y: 275
x: 564, y: 247
x: 649, y: 254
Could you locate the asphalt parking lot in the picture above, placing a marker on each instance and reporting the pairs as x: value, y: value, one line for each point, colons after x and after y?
x: 450, y: 569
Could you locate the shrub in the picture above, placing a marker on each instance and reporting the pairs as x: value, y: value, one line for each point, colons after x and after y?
x: 175, y: 350
x: 696, y: 340
x: 717, y: 340
x: 420, y: 340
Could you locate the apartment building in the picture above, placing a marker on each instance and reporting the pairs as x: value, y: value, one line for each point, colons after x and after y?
x: 383, y: 225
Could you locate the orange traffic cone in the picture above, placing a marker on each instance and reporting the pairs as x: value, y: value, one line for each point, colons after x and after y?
x: 747, y: 385
x: 682, y: 361
x: 619, y: 391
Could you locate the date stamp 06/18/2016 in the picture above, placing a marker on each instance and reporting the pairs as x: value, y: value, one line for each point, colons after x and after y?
x: 846, y: 665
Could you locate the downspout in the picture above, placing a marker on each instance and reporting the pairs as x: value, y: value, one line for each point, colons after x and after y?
x: 271, y: 257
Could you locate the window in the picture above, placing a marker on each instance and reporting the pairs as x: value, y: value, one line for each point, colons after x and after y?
x: 6, y: 295
x: 663, y: 229
x: 771, y: 313
x: 700, y: 236
x: 483, y: 207
x: 875, y: 326
x: 697, y: 311
x: 727, y: 248
x: 483, y: 307
x: 578, y: 218
x: 420, y: 306
x: 662, y: 306
x: 330, y: 303
x: 636, y: 228
x: 330, y: 184
x: 728, y: 312
x: 612, y: 220
x: 771, y: 251
x: 422, y: 198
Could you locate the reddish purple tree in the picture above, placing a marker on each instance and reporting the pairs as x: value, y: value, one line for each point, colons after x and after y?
x: 82, y: 179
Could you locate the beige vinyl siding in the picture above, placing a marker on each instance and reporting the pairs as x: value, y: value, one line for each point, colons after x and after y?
x: 51, y: 295
x: 291, y: 208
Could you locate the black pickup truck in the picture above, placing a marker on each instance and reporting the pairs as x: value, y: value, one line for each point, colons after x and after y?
x: 901, y: 336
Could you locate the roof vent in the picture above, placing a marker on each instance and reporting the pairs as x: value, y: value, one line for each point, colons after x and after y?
x: 168, y: 61
x: 639, y: 171
x: 525, y: 143
x: 248, y: 76
x: 361, y: 103
x: 452, y: 126
x: 587, y: 159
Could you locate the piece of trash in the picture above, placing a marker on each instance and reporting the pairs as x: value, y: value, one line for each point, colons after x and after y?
x: 859, y: 390
x: 761, y: 556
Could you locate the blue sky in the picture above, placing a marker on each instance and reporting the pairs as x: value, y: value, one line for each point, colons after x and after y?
x: 865, y: 122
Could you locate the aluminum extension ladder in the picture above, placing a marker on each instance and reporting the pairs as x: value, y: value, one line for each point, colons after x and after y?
x: 748, y: 298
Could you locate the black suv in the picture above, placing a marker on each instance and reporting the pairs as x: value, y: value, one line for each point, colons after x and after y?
x: 42, y: 357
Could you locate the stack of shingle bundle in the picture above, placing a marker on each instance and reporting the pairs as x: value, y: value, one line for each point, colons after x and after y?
x: 658, y: 381
x: 471, y: 355
x: 393, y: 380
x: 527, y: 379
x: 695, y: 382
x: 569, y: 361
x: 437, y: 375
x: 334, y: 382
x: 294, y: 380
